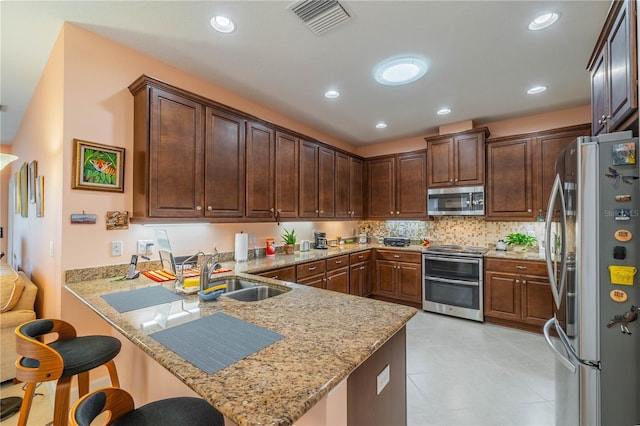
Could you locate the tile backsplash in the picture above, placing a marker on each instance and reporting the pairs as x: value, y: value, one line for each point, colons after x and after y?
x: 467, y: 230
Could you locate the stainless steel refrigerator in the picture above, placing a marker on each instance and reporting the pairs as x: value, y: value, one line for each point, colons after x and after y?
x: 592, y: 241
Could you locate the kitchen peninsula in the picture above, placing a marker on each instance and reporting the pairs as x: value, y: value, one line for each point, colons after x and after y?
x: 328, y: 337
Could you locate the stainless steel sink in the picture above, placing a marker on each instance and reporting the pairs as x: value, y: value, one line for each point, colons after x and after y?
x: 233, y: 284
x: 253, y: 294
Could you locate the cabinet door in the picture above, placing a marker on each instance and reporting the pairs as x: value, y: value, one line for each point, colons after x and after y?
x: 308, y: 179
x: 411, y: 186
x: 326, y: 182
x: 176, y: 156
x: 224, y: 166
x: 537, y: 301
x: 286, y: 175
x: 338, y: 280
x: 409, y: 276
x: 469, y: 160
x: 380, y: 188
x: 385, y: 280
x: 359, y: 279
x: 260, y: 171
x: 317, y: 281
x: 510, y: 179
x: 501, y: 296
x: 440, y: 163
x: 356, y: 167
x: 343, y: 177
x: 599, y: 94
x: 621, y: 68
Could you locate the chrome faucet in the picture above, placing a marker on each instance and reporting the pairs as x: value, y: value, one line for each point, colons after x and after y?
x: 180, y: 271
x: 208, y: 266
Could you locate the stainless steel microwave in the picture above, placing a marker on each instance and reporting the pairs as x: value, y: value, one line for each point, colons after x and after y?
x: 456, y: 201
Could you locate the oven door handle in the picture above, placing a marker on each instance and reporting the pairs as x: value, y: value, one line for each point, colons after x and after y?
x: 450, y: 259
x: 448, y: 281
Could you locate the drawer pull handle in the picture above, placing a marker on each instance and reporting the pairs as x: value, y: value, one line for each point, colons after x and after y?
x: 312, y: 268
x: 360, y: 257
x: 521, y: 267
x: 397, y: 256
x: 338, y: 262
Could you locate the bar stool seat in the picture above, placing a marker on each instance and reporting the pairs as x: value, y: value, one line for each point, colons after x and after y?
x: 120, y: 406
x: 61, y: 359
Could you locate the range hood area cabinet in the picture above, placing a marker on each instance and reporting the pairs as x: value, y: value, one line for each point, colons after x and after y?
x: 181, y: 147
x: 520, y: 172
x: 614, y: 72
x: 317, y: 181
x: 397, y: 186
x: 349, y: 186
x: 456, y: 159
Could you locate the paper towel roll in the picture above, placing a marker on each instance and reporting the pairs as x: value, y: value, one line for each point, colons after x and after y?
x: 242, y: 247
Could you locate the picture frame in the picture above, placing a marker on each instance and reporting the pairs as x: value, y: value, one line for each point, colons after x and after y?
x: 33, y: 174
x: 97, y: 167
x: 24, y: 185
x: 39, y: 195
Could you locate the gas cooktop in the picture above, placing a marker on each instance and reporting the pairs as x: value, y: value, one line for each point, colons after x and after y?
x: 458, y: 250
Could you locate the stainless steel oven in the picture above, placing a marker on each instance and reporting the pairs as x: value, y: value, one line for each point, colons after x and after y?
x: 453, y: 281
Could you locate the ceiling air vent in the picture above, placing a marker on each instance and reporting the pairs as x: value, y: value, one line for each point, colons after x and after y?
x: 320, y: 16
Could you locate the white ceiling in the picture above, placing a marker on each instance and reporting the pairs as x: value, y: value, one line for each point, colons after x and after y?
x: 481, y: 57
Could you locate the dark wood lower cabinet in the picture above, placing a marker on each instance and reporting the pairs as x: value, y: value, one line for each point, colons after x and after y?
x: 517, y: 294
x: 365, y: 406
x: 283, y: 274
x: 398, y: 276
x: 359, y: 273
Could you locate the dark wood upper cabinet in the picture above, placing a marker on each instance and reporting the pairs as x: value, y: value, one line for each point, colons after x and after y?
x: 286, y: 179
x: 397, y: 186
x: 348, y: 184
x: 614, y: 71
x: 260, y: 171
x: 457, y: 159
x: 326, y: 182
x: 308, y: 179
x: 521, y: 171
x: 224, y: 164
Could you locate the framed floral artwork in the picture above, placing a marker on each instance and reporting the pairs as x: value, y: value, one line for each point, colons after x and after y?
x: 97, y: 167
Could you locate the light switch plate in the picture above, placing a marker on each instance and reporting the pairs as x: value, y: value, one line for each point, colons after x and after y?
x: 116, y: 248
x: 383, y: 380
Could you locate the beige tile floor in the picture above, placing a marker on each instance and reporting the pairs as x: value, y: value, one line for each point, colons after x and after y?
x: 459, y: 372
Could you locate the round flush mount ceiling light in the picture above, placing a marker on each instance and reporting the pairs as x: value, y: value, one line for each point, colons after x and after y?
x: 443, y: 111
x: 331, y: 94
x: 222, y: 24
x: 381, y: 125
x: 544, y: 21
x: 536, y: 89
x: 394, y: 72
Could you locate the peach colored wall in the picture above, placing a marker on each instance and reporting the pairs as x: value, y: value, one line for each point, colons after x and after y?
x: 532, y: 123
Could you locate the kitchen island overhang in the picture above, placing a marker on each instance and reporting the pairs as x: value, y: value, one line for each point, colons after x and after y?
x: 326, y: 337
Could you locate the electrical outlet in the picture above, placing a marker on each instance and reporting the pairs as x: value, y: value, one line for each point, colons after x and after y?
x: 116, y: 248
x: 382, y: 380
x: 145, y: 247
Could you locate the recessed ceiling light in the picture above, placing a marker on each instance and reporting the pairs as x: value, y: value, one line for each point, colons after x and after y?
x: 443, y: 111
x: 536, y: 89
x: 393, y: 72
x: 381, y: 125
x: 544, y: 21
x: 222, y: 24
x: 331, y: 94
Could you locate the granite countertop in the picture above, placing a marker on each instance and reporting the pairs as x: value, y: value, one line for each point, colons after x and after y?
x: 327, y: 335
x: 510, y: 254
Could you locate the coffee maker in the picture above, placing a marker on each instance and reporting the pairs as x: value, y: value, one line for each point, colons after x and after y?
x: 320, y: 240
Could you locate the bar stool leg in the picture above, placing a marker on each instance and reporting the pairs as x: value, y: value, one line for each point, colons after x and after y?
x: 83, y: 384
x: 61, y: 401
x: 113, y: 374
x: 26, y: 404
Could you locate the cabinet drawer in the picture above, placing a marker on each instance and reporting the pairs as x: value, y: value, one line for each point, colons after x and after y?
x: 310, y: 268
x: 283, y: 274
x: 399, y: 256
x: 362, y: 256
x: 337, y: 262
x: 528, y: 267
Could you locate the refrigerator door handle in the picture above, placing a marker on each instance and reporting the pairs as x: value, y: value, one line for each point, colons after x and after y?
x: 559, y: 355
x: 557, y: 288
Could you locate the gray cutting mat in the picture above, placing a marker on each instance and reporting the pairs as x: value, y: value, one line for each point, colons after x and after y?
x: 217, y: 341
x: 131, y: 300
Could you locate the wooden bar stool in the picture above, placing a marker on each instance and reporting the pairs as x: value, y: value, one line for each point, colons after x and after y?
x: 61, y: 359
x: 119, y: 405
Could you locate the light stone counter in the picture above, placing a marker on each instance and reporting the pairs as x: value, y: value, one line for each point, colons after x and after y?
x: 327, y: 335
x: 510, y: 254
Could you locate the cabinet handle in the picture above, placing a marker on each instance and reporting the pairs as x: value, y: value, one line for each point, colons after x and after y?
x: 312, y: 268
x: 271, y: 209
x: 338, y: 262
x: 396, y: 256
x: 528, y: 210
x: 390, y: 212
x: 360, y: 257
x: 275, y: 277
x: 521, y: 267
x: 451, y: 180
x: 279, y: 210
x: 455, y: 180
x: 209, y: 208
x: 517, y: 281
x: 317, y: 211
x: 398, y: 212
x: 198, y: 208
x: 321, y: 211
x: 524, y: 282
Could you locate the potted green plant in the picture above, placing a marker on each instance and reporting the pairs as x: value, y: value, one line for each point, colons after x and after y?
x: 521, y: 242
x: 289, y: 239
